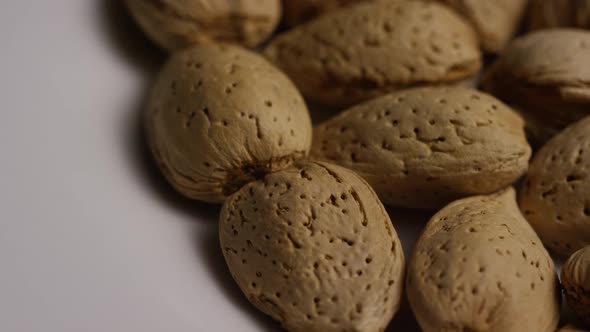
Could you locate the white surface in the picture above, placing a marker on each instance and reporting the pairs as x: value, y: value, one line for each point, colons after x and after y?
x: 91, y: 238
x: 88, y: 241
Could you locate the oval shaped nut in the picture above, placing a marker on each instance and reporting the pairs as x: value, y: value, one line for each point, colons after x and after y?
x: 575, y: 278
x: 313, y: 247
x: 220, y: 116
x: 478, y: 266
x: 559, y: 13
x: 496, y: 22
x: 176, y: 24
x: 370, y: 49
x: 424, y: 147
x: 555, y: 197
x: 546, y: 76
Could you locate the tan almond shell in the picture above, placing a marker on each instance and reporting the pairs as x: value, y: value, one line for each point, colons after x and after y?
x: 313, y: 247
x: 176, y: 24
x: 424, y: 147
x: 220, y: 116
x: 546, y: 75
x: 478, y: 266
x: 545, y: 14
x: 555, y: 197
x: 370, y: 49
x: 495, y: 21
x: 575, y: 278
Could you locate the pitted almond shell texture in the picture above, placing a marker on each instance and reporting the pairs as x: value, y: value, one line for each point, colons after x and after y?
x: 424, y: 147
x: 479, y: 266
x: 546, y: 76
x: 555, y: 197
x: 176, y: 24
x: 495, y: 21
x: 313, y: 247
x: 220, y: 116
x: 370, y: 49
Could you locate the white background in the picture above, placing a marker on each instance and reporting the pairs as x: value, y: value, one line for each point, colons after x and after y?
x: 91, y: 238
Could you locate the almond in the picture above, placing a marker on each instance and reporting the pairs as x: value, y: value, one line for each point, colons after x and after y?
x: 575, y: 278
x: 313, y: 247
x: 555, y: 197
x: 478, y: 266
x: 546, y: 76
x: 424, y: 147
x: 176, y: 24
x: 545, y: 14
x: 220, y: 116
x: 370, y: 49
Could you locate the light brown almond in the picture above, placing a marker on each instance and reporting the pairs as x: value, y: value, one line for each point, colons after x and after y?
x: 479, y: 266
x: 313, y: 247
x: 374, y: 48
x: 546, y: 76
x: 575, y: 278
x: 424, y: 147
x: 555, y: 197
x: 495, y: 21
x: 220, y: 116
x: 176, y: 24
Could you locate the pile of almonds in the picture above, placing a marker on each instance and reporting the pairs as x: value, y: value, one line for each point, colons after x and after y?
x: 303, y: 228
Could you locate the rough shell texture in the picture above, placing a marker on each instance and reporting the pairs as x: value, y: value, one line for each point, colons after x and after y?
x: 313, y: 247
x: 559, y: 13
x: 478, y: 266
x: 546, y: 75
x: 555, y: 197
x: 495, y: 21
x: 424, y: 147
x: 575, y: 278
x: 370, y: 49
x: 175, y: 24
x: 220, y: 116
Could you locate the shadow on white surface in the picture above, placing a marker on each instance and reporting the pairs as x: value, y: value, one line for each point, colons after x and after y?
x: 207, y: 247
x: 138, y: 52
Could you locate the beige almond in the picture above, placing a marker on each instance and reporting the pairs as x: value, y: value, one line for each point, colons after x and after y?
x: 424, y: 147
x: 545, y: 14
x: 370, y: 49
x: 313, y: 247
x: 220, y: 116
x: 555, y: 197
x: 496, y: 21
x: 546, y: 76
x: 478, y: 266
x: 575, y: 278
x: 175, y: 24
